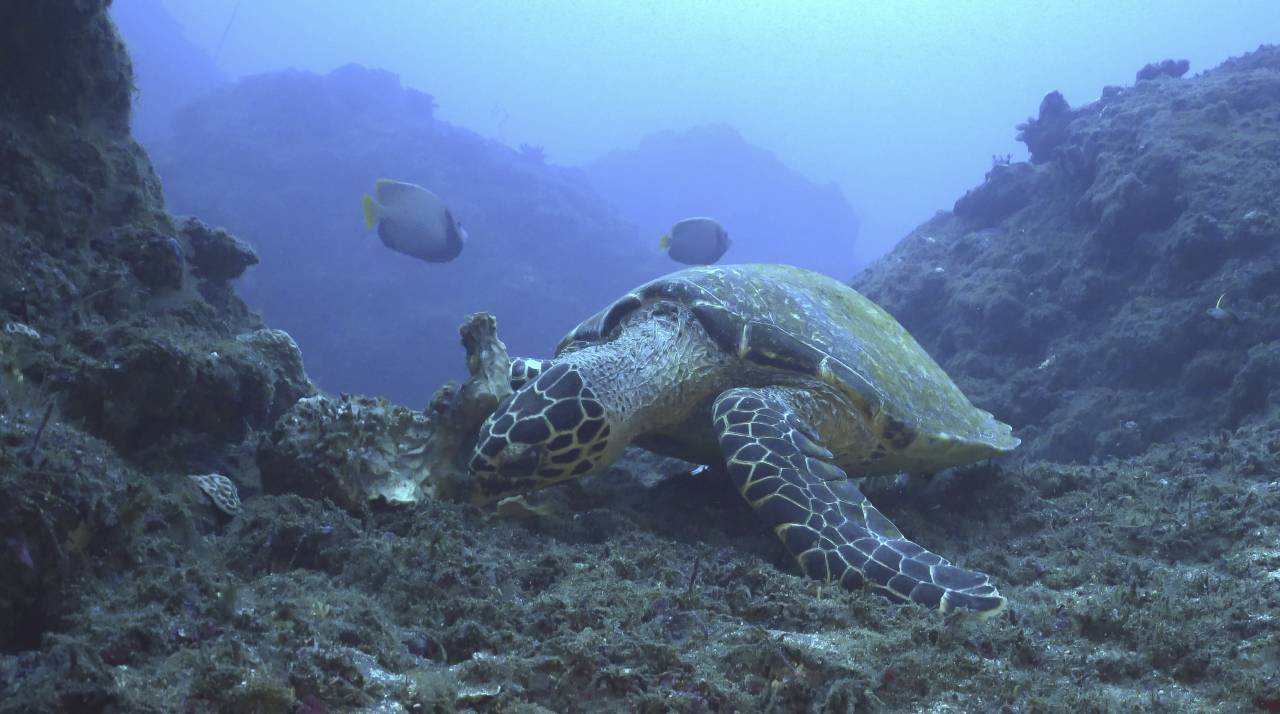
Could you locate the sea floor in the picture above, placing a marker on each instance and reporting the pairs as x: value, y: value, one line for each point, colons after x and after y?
x: 1145, y: 584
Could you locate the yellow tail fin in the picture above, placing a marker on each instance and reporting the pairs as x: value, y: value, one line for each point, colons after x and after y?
x: 370, y: 211
x: 664, y: 242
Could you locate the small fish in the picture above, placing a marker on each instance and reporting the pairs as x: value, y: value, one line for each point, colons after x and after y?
x: 1218, y: 312
x: 696, y: 241
x: 413, y: 221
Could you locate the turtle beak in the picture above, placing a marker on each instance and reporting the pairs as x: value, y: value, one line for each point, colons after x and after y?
x: 510, y: 471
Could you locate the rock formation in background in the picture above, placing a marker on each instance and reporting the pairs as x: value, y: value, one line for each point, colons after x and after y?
x: 282, y: 159
x: 1074, y: 295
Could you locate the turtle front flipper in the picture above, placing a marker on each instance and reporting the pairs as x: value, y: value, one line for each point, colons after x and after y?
x: 831, y: 529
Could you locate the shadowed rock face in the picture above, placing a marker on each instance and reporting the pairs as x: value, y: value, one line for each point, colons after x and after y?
x: 124, y: 355
x: 1070, y: 295
x: 38, y: 79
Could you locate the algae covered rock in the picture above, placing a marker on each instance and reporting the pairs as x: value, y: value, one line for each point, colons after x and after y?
x: 64, y: 59
x: 1048, y: 130
x: 1077, y: 291
x: 154, y: 258
x: 348, y: 449
x: 354, y: 450
x: 162, y: 384
x: 1172, y: 69
x: 1007, y: 189
x: 67, y: 506
x: 216, y: 254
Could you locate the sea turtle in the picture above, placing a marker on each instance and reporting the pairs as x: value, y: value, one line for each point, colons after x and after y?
x: 790, y: 378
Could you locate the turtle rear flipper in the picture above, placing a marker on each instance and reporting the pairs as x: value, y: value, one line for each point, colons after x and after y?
x: 831, y: 529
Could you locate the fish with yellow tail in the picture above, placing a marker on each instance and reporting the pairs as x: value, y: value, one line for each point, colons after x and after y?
x: 696, y: 241
x: 413, y: 221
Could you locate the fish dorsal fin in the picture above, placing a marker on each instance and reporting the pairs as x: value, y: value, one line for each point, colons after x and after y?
x: 406, y: 196
x: 388, y: 190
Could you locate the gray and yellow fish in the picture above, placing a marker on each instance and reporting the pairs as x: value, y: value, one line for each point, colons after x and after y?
x: 696, y: 241
x: 413, y: 221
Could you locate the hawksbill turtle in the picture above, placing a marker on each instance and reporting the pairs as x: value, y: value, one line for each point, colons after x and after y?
x: 790, y: 378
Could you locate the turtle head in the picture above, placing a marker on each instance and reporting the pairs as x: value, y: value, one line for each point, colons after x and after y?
x: 551, y: 429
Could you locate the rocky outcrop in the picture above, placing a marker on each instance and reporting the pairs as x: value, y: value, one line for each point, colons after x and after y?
x: 124, y: 352
x: 1072, y: 295
x: 361, y: 451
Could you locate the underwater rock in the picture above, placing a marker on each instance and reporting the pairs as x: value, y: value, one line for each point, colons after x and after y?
x: 458, y: 412
x: 349, y: 449
x: 489, y: 367
x: 1165, y: 68
x: 270, y: 361
x: 355, y: 450
x: 63, y: 58
x: 65, y: 675
x: 155, y: 259
x: 154, y: 384
x: 216, y: 254
x: 65, y: 502
x: 1006, y: 189
x: 1142, y: 210
x: 1049, y: 130
x: 220, y: 490
x: 1257, y: 384
x: 1128, y: 206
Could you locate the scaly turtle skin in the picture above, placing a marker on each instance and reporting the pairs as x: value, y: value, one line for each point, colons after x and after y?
x: 788, y: 377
